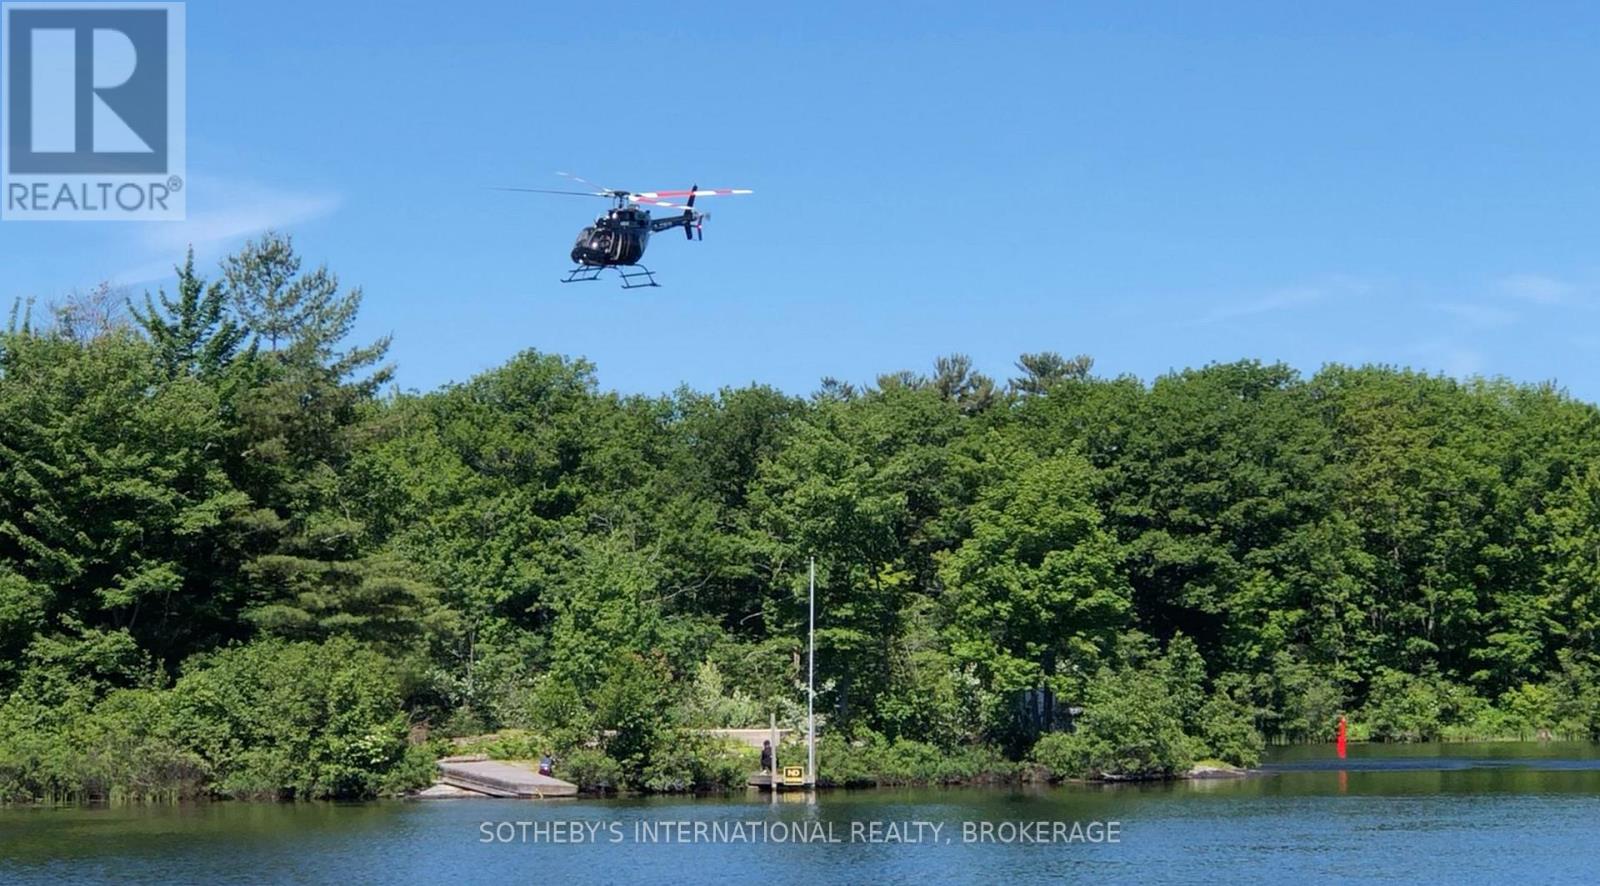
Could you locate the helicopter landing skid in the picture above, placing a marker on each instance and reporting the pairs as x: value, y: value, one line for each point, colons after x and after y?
x: 636, y: 277
x: 584, y: 272
x: 633, y: 276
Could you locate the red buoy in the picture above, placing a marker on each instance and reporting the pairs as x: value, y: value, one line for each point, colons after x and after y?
x: 1341, y: 741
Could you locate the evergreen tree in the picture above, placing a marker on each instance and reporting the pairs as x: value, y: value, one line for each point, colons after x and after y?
x: 1044, y: 370
x: 303, y: 418
x: 192, y: 334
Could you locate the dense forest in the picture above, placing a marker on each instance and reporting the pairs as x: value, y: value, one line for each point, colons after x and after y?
x: 236, y: 561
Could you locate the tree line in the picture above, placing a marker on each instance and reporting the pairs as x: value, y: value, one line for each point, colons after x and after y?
x: 234, y: 559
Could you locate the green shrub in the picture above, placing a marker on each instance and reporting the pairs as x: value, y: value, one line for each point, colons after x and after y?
x: 558, y: 711
x: 416, y: 768
x: 1306, y: 699
x: 872, y: 760
x: 591, y: 770
x: 709, y: 704
x: 669, y: 772
x: 1486, y: 724
x: 301, y: 720
x: 1356, y: 729
x: 630, y: 711
x: 842, y: 763
x: 122, y: 748
x: 1577, y: 691
x: 1062, y: 754
x: 1131, y: 727
x: 685, y: 762
x: 1411, y: 707
x: 1228, y: 733
x: 508, y: 744
x: 723, y: 765
x: 1532, y: 707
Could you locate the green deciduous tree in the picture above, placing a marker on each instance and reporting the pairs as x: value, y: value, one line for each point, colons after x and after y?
x: 1035, y: 596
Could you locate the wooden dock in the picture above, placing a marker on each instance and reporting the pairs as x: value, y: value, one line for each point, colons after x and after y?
x: 764, y: 781
x: 493, y: 778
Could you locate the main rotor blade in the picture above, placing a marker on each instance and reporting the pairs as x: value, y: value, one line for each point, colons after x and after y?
x: 697, y: 192
x: 584, y: 181
x: 548, y: 191
x: 634, y: 198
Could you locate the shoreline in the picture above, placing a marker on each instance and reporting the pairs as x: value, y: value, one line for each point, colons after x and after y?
x: 1208, y: 770
x: 1026, y: 777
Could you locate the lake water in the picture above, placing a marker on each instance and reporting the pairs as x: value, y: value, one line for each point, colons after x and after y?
x: 1479, y: 813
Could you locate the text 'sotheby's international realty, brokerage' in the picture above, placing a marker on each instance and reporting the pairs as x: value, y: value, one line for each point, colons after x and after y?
x: 578, y: 831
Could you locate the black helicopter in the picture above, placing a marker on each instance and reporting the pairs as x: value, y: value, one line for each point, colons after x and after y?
x: 618, y: 238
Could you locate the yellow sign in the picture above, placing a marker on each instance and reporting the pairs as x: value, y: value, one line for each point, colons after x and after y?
x: 794, y: 775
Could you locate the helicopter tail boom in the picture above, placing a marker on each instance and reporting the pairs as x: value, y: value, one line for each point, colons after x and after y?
x: 690, y: 221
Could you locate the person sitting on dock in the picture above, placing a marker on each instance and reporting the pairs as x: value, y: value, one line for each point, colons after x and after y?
x: 766, y: 756
x: 547, y: 765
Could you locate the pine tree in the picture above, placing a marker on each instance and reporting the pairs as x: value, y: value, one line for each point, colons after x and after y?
x: 303, y: 418
x: 193, y: 334
x: 1045, y: 369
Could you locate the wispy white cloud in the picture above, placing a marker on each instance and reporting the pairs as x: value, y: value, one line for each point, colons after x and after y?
x: 1278, y: 300
x: 1477, y: 315
x: 1537, y: 288
x: 1288, y: 298
x: 221, y: 214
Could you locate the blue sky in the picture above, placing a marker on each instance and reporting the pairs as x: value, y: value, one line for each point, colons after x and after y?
x: 1159, y: 185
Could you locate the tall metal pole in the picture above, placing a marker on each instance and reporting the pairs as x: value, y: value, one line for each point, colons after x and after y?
x: 811, y: 677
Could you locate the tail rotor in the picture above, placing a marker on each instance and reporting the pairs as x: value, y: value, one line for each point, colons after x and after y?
x: 693, y: 222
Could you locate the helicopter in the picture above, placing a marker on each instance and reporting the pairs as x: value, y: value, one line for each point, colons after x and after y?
x: 618, y: 238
